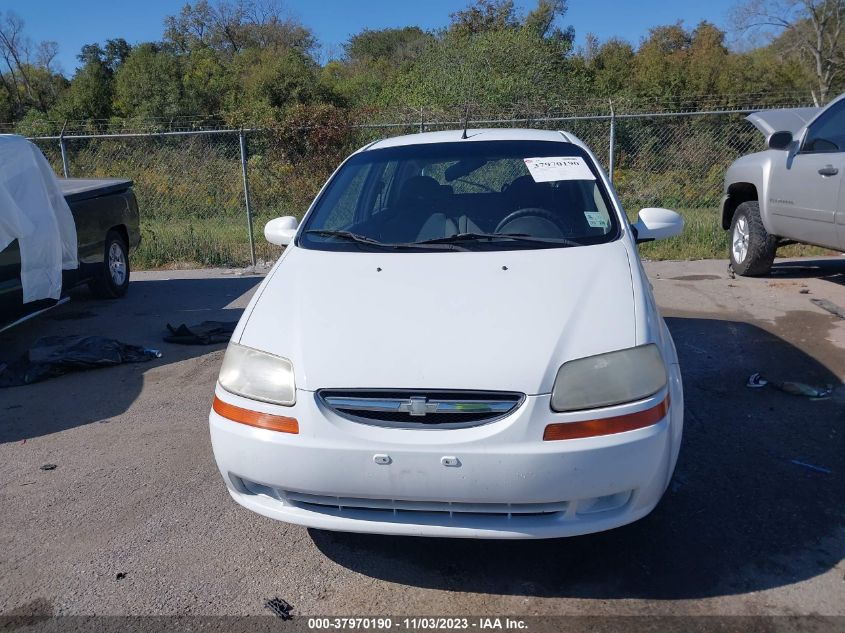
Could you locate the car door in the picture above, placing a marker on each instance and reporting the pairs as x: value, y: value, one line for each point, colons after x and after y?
x: 804, y: 189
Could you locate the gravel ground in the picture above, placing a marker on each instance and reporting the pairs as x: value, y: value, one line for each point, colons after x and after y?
x: 135, y: 518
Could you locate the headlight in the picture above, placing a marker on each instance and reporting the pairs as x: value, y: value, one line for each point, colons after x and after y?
x: 257, y: 375
x: 607, y: 379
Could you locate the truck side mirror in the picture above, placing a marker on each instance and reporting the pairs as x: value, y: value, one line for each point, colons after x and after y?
x: 780, y: 140
x: 657, y: 224
x: 280, y: 231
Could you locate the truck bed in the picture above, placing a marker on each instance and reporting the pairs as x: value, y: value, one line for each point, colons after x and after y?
x: 77, y: 189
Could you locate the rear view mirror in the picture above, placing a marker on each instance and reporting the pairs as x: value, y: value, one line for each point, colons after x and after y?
x: 280, y: 231
x: 657, y: 224
x: 780, y: 140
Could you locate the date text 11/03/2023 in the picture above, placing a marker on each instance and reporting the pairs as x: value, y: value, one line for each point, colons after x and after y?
x: 418, y: 623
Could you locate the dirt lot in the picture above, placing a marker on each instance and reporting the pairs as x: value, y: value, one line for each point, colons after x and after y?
x: 743, y: 530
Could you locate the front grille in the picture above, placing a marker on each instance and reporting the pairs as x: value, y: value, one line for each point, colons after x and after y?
x: 424, y: 409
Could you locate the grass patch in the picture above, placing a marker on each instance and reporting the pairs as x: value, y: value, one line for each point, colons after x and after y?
x: 200, y: 242
x: 704, y: 238
x: 222, y: 241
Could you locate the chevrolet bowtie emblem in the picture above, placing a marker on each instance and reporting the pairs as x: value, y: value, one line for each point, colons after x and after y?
x: 418, y: 405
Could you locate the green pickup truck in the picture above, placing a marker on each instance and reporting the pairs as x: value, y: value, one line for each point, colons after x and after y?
x: 105, y: 212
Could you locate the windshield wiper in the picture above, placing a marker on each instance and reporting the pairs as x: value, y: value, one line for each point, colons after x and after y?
x: 363, y: 239
x: 519, y: 237
x: 346, y: 235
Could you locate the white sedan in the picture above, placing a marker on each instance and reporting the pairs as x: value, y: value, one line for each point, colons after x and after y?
x: 459, y: 340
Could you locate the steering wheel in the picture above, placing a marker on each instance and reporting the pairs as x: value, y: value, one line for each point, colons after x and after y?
x: 534, y: 212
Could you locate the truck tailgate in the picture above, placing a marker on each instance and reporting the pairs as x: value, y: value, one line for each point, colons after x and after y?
x: 77, y: 189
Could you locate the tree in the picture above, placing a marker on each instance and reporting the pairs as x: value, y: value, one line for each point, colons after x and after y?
x: 230, y: 27
x: 611, y: 64
x: 29, y: 80
x: 91, y: 91
x: 493, y: 69
x: 483, y: 16
x: 812, y: 29
x: 396, y: 45
x: 269, y: 83
x: 706, y: 60
x: 89, y: 95
x: 660, y: 65
x: 541, y: 21
x: 149, y: 84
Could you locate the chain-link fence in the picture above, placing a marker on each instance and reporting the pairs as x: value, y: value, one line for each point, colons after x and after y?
x: 200, y: 192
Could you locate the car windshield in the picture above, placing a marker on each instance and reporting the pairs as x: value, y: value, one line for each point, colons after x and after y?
x: 465, y: 195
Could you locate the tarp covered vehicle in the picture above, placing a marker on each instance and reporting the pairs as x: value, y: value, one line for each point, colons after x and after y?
x: 57, y: 233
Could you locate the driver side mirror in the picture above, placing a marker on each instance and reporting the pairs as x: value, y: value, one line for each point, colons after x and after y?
x: 281, y: 231
x: 780, y: 140
x: 657, y: 224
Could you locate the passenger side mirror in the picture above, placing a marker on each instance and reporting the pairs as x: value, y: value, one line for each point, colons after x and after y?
x: 780, y: 140
x: 280, y: 231
x: 657, y: 224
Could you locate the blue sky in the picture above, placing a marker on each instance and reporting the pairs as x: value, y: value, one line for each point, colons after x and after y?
x: 73, y: 24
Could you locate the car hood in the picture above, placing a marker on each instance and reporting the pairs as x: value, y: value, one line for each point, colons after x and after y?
x: 782, y: 120
x: 443, y: 320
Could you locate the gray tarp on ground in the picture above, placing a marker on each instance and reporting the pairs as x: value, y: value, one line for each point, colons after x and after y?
x: 34, y: 212
x: 52, y: 356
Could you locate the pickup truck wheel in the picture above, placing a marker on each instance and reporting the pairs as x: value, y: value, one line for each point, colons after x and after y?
x: 113, y: 279
x: 752, y: 249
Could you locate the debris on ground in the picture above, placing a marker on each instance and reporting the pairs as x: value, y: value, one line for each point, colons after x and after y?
x: 120, y: 575
x: 52, y: 356
x: 205, y: 333
x: 804, y: 291
x: 731, y: 272
x: 818, y: 469
x: 280, y: 608
x: 48, y: 467
x: 834, y: 309
x: 756, y: 381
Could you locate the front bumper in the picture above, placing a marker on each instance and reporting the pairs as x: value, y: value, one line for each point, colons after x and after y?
x: 499, y: 480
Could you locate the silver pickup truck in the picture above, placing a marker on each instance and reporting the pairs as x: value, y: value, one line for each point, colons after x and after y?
x: 794, y: 191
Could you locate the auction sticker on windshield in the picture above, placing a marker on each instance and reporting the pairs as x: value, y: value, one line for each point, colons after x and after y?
x: 554, y: 168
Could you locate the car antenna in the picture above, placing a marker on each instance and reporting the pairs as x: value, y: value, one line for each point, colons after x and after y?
x: 466, y: 121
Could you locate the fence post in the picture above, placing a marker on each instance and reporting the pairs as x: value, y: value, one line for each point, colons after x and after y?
x: 422, y: 120
x: 242, y: 137
x: 611, y: 159
x: 63, y: 148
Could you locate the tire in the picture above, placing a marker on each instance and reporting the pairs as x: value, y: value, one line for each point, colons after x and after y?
x: 112, y: 280
x: 752, y: 249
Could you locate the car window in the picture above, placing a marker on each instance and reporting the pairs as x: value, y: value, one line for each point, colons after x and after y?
x: 342, y: 200
x: 827, y: 133
x: 546, y: 191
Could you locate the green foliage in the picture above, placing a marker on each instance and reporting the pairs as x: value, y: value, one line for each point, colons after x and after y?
x: 89, y: 95
x: 34, y: 123
x: 245, y: 62
x: 397, y: 45
x: 483, y: 16
x: 492, y: 68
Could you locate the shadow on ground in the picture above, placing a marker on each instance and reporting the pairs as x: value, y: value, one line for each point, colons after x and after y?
x: 140, y: 318
x: 830, y: 269
x: 739, y: 516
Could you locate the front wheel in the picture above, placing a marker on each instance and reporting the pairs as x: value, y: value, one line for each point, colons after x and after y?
x: 112, y: 281
x: 752, y: 249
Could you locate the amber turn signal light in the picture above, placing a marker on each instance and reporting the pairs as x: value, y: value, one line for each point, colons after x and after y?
x: 607, y: 426
x: 278, y: 423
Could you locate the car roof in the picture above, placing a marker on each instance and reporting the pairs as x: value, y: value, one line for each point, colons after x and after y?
x: 491, y: 134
